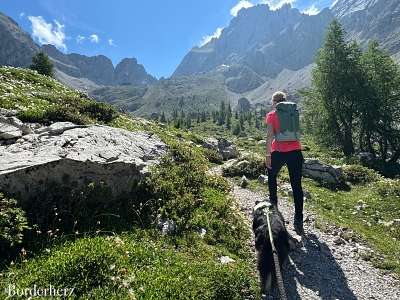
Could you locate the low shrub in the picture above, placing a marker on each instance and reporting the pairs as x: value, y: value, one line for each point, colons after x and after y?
x: 135, y: 266
x: 213, y: 156
x: 250, y: 166
x: 357, y: 174
x: 195, y: 200
x: 388, y: 187
x: 13, y: 223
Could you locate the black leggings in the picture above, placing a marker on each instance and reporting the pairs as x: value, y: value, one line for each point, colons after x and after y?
x: 294, y: 161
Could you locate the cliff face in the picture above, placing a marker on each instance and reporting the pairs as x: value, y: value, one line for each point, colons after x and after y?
x: 99, y: 69
x: 263, y: 40
x: 128, y: 71
x: 367, y: 20
x: 16, y: 46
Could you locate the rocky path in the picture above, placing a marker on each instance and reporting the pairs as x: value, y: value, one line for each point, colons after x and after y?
x: 325, y: 266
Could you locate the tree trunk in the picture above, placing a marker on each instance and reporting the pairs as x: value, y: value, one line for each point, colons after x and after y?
x: 348, y: 146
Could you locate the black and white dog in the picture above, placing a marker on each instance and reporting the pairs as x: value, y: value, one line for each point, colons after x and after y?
x: 281, y: 238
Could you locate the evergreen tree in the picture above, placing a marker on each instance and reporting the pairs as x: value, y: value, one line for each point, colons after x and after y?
x: 257, y: 122
x: 203, y: 117
x: 236, y: 130
x: 222, y: 114
x: 337, y: 85
x: 188, y: 122
x: 42, y: 64
x: 380, y: 113
x: 228, y: 122
x: 241, y: 122
x: 163, y: 119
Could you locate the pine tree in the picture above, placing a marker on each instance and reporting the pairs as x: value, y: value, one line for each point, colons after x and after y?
x: 337, y: 85
x: 42, y: 64
x: 257, y: 122
x: 203, y: 117
x: 380, y: 113
x: 228, y: 122
x: 236, y: 130
x: 163, y: 119
x: 241, y: 122
x: 222, y: 114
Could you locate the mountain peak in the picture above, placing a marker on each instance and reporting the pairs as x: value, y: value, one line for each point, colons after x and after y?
x: 261, y: 39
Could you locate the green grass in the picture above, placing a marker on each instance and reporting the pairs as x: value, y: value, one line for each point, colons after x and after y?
x: 138, y: 265
x: 340, y: 208
x: 42, y: 99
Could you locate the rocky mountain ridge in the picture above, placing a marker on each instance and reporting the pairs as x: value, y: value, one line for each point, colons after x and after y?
x: 75, y: 70
x: 264, y: 40
x: 16, y: 46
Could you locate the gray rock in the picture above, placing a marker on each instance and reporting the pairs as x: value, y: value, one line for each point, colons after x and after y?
x: 8, y: 131
x: 261, y: 142
x: 325, y: 174
x: 226, y: 260
x: 8, y: 112
x: 227, y: 149
x: 66, y: 153
x: 224, y: 147
x: 244, y: 182
x: 167, y: 227
x: 365, y: 157
x: 338, y: 240
x: 11, y: 127
x: 211, y: 143
x: 263, y: 179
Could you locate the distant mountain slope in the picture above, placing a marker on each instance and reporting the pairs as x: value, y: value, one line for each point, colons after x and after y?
x: 188, y: 93
x: 367, y: 20
x: 99, y: 69
x: 76, y: 70
x: 16, y: 46
x: 262, y: 40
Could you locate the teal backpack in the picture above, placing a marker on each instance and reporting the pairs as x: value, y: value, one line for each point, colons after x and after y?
x: 288, y: 116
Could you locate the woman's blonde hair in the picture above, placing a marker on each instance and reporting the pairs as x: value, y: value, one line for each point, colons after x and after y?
x: 279, y: 97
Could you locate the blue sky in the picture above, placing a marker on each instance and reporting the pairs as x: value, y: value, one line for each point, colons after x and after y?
x: 157, y: 32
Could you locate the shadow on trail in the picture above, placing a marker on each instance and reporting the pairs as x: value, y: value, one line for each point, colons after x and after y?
x: 316, y: 269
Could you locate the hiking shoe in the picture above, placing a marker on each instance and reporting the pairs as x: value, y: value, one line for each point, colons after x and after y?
x: 298, y: 225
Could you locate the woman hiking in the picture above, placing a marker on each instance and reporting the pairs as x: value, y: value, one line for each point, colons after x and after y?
x: 284, y: 148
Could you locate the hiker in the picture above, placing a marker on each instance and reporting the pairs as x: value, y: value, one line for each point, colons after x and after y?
x: 283, y: 148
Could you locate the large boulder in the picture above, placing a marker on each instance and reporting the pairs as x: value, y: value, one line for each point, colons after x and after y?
x: 11, y: 127
x: 75, y: 155
x: 224, y: 147
x: 327, y: 175
x: 250, y: 165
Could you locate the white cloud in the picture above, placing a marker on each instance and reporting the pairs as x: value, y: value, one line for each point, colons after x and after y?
x: 312, y: 10
x: 276, y: 4
x: 94, y: 38
x: 80, y: 39
x: 241, y: 4
x: 333, y: 4
x: 22, y: 14
x: 206, y: 39
x: 111, y: 42
x: 48, y: 33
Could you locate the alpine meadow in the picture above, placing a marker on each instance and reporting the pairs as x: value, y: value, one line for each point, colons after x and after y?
x: 260, y: 162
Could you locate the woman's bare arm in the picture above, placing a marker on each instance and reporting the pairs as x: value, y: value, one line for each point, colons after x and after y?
x: 269, y: 138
